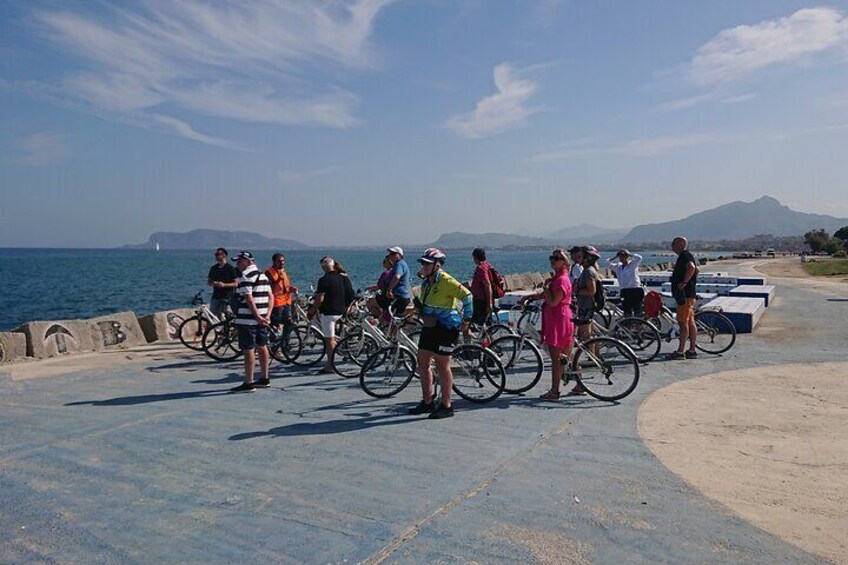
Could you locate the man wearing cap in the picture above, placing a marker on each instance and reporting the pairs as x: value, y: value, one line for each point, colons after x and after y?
x: 398, y: 291
x: 252, y: 321
x: 627, y: 272
x: 576, y: 266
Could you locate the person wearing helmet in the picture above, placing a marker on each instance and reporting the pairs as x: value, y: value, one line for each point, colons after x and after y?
x: 446, y: 308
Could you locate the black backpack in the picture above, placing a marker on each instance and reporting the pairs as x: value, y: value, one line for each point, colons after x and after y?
x: 600, y: 295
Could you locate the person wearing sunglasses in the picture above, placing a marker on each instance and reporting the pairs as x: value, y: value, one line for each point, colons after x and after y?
x: 223, y: 279
x: 557, y: 327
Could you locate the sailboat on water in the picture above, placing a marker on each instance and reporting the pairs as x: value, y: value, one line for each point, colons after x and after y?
x: 157, y: 246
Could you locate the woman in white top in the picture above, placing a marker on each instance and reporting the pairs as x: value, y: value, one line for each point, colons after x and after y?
x: 627, y: 272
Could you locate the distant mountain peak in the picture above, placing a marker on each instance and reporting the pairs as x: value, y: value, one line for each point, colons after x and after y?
x: 737, y: 220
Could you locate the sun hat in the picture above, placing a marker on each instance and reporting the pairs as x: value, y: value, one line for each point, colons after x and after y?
x: 396, y: 249
x: 591, y: 251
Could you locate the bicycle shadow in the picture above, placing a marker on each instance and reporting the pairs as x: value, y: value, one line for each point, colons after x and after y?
x: 365, y: 421
x: 148, y: 398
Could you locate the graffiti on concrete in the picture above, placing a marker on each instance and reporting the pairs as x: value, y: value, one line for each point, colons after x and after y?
x: 174, y: 323
x: 60, y: 335
x: 111, y: 332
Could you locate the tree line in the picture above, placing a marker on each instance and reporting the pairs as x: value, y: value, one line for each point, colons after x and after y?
x: 819, y: 241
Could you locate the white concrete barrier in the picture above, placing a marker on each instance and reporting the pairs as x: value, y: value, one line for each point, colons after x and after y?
x: 163, y: 326
x: 13, y: 346
x: 116, y: 331
x: 58, y: 337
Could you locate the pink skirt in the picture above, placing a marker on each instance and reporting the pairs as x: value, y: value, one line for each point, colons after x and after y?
x: 557, y: 330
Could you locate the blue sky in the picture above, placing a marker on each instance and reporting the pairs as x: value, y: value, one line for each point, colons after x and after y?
x: 355, y: 123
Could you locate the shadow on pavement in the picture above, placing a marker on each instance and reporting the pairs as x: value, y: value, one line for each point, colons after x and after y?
x: 148, y: 398
x: 339, y: 426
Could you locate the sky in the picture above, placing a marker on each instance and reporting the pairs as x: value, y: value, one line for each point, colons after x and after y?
x: 364, y: 122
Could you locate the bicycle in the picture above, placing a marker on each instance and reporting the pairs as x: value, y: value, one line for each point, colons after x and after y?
x: 716, y: 334
x: 642, y: 337
x: 191, y: 330
x: 604, y: 366
x: 478, y: 375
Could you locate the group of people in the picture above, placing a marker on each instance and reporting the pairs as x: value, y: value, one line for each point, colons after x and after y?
x: 446, y: 307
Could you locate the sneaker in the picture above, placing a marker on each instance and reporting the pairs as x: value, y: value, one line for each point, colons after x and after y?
x: 676, y: 355
x: 441, y: 412
x: 243, y: 387
x: 263, y: 383
x: 422, y: 408
x: 691, y: 354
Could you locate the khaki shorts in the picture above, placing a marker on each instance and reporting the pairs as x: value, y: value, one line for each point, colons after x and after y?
x: 686, y: 311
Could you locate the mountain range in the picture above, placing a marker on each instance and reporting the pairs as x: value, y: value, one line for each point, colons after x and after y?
x: 210, y: 239
x: 726, y: 223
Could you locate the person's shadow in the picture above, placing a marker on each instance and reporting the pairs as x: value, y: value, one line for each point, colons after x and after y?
x: 148, y: 398
x: 353, y: 422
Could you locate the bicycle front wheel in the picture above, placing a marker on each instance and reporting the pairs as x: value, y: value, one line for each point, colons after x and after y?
x: 642, y: 337
x: 387, y: 371
x: 716, y: 333
x: 287, y: 349
x: 312, y: 350
x: 351, y: 352
x: 191, y: 332
x: 606, y: 368
x: 478, y: 375
x: 522, y: 362
x: 220, y: 341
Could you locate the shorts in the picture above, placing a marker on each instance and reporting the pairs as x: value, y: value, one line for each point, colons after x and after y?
x: 281, y: 315
x: 438, y: 339
x: 480, y: 312
x: 585, y: 315
x: 398, y: 305
x: 382, y: 301
x: 328, y: 325
x: 251, y: 337
x: 686, y: 311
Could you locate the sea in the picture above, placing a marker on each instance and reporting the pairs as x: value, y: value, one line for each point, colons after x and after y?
x: 61, y: 284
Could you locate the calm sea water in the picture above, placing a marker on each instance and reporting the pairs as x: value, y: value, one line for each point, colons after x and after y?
x: 57, y: 284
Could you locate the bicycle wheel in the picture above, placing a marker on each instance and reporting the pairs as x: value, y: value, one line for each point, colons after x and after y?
x: 220, y: 341
x: 606, y: 368
x: 716, y: 333
x: 387, y: 371
x: 642, y: 337
x: 522, y: 362
x: 312, y: 350
x: 191, y: 332
x: 288, y: 351
x: 351, y: 352
x: 478, y: 375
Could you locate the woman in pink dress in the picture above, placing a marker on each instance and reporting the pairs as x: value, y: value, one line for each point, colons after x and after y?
x: 557, y: 327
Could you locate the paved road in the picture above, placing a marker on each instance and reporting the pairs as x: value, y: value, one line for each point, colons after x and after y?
x: 152, y: 461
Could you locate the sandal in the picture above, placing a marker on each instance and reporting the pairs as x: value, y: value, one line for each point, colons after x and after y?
x: 550, y: 395
x: 577, y: 391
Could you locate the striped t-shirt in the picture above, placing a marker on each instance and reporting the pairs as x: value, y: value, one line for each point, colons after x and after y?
x: 253, y: 282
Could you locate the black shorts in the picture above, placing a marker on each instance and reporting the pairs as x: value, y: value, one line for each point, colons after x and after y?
x: 382, y: 301
x: 251, y: 337
x: 480, y: 313
x: 398, y: 305
x: 438, y: 339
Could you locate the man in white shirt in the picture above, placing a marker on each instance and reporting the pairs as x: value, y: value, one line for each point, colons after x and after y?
x: 627, y: 272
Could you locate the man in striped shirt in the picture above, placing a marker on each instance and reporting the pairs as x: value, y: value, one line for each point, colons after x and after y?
x: 252, y: 321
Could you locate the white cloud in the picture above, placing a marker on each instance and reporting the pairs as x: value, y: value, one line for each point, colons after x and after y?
x: 185, y: 130
x: 737, y: 52
x: 641, y: 147
x: 44, y: 149
x: 499, y: 112
x: 248, y: 61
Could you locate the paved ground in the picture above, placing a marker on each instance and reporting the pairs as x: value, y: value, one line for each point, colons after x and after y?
x: 149, y: 460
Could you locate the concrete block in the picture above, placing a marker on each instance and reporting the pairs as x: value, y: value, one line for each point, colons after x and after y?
x: 537, y: 278
x: 163, y: 326
x: 750, y: 281
x: 513, y: 282
x: 527, y: 280
x: 700, y: 288
x: 745, y: 313
x: 13, y: 346
x: 764, y: 292
x: 60, y: 337
x: 116, y: 331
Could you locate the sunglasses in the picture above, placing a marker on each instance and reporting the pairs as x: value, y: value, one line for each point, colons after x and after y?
x: 556, y: 258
